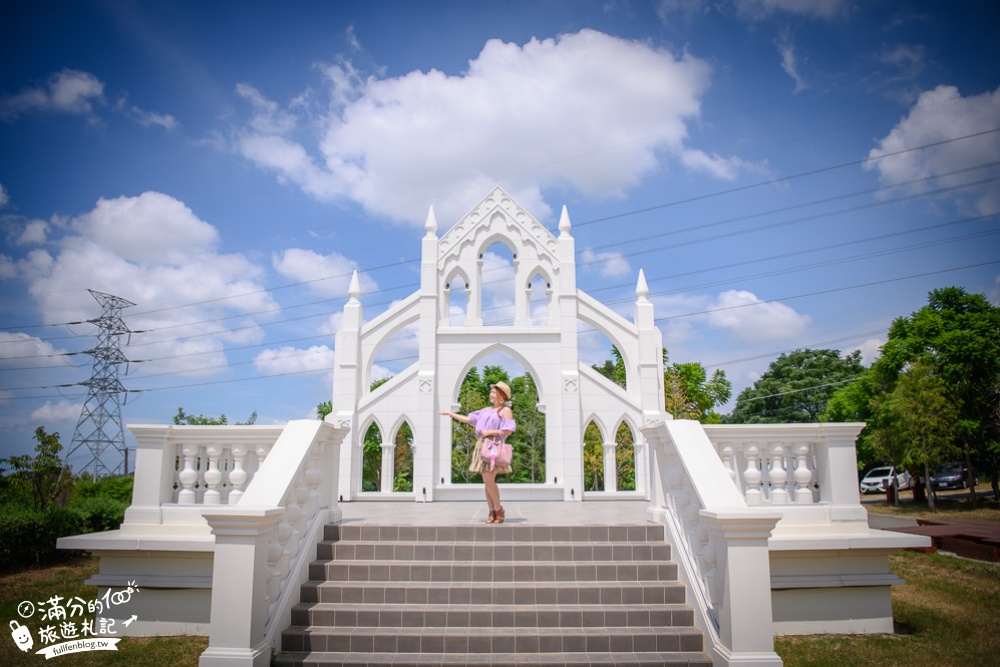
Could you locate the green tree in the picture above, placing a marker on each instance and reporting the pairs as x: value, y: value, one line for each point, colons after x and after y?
x: 796, y: 387
x: 528, y: 439
x: 689, y: 394
x: 403, y: 479
x: 472, y: 395
x: 184, y: 419
x: 853, y: 403
x: 625, y: 458
x: 959, y: 334
x: 593, y: 458
x: 916, y: 423
x: 614, y: 368
x: 41, y: 480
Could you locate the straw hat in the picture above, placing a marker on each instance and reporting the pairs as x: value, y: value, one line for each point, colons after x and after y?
x: 502, y: 386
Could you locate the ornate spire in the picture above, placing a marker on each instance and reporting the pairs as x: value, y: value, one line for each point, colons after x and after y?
x: 354, y: 291
x: 431, y: 225
x: 564, y: 224
x: 641, y: 288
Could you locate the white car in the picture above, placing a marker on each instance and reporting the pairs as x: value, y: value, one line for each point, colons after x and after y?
x: 878, y: 479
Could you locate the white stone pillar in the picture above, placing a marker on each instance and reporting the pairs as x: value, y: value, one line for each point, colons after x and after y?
x: 610, y: 467
x: 388, y: 466
x: 239, y: 587
x: 743, y: 580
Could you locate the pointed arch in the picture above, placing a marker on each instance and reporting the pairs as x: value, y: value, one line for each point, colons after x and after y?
x: 625, y: 435
x: 402, y: 439
x: 505, y: 349
x: 593, y: 457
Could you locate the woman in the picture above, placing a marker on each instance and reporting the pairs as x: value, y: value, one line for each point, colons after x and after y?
x: 493, y: 422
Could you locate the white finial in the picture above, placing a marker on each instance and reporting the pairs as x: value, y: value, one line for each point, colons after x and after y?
x: 564, y: 224
x: 641, y: 288
x: 431, y: 225
x: 354, y: 290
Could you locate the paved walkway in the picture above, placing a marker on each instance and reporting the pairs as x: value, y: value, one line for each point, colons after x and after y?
x: 462, y: 513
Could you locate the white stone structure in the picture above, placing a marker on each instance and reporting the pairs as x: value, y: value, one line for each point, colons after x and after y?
x: 765, y: 520
x: 571, y: 393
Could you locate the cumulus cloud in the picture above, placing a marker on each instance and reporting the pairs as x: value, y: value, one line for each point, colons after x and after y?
x: 329, y: 275
x: 294, y: 360
x: 24, y: 350
x: 4, y: 197
x: 69, y: 91
x: 153, y: 251
x: 35, y: 233
x: 61, y: 411
x: 397, y: 144
x: 147, y: 118
x: 750, y: 319
x: 871, y: 350
x: 606, y: 264
x: 8, y: 269
x: 939, y: 115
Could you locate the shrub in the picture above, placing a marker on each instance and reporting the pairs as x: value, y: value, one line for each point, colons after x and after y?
x: 100, y: 513
x: 28, y: 536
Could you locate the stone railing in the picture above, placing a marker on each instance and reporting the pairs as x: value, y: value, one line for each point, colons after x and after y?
x: 265, y: 493
x: 807, y: 471
x: 720, y: 541
x: 178, y: 469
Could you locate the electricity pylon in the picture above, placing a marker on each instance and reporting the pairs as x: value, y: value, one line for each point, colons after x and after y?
x: 99, y: 428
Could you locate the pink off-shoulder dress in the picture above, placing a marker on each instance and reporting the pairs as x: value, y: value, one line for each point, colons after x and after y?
x: 488, y: 419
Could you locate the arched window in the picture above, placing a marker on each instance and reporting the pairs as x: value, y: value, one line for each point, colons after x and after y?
x: 371, y: 459
x: 625, y: 457
x: 403, y: 478
x: 593, y: 458
x: 497, y: 287
x: 539, y: 300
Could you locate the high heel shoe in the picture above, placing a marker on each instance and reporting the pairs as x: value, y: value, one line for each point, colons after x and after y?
x: 492, y: 518
x: 500, y: 515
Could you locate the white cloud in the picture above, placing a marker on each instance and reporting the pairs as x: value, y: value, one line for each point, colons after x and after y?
x: 607, y: 264
x: 61, y: 411
x: 871, y: 350
x: 398, y: 144
x: 749, y: 318
x: 147, y: 118
x: 35, y: 233
x: 329, y: 275
x: 153, y: 251
x: 789, y: 62
x: 68, y: 91
x: 294, y: 360
x: 4, y: 197
x: 939, y: 115
x: 24, y: 350
x: 8, y: 269
x: 819, y: 9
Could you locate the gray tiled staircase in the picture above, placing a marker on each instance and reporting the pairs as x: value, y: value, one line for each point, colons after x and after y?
x: 493, y: 595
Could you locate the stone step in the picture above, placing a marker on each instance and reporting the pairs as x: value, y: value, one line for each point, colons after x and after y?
x: 489, y: 572
x: 341, y: 615
x: 443, y: 593
x: 499, y: 533
x: 492, y: 640
x: 515, y: 551
x: 606, y: 659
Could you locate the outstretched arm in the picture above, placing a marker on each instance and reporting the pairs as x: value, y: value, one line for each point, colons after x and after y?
x: 462, y: 418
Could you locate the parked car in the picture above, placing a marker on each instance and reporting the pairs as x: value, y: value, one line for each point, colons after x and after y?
x: 952, y: 476
x: 878, y: 479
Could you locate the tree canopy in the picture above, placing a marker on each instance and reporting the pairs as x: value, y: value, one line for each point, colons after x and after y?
x: 796, y: 387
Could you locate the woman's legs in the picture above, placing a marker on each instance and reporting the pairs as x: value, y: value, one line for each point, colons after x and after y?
x: 492, y: 490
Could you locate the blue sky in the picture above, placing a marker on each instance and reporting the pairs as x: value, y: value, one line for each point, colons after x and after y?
x: 788, y: 174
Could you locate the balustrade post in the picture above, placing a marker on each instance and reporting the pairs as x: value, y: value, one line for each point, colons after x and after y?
x: 239, y: 587
x: 238, y: 477
x: 188, y: 476
x: 752, y: 476
x: 743, y: 577
x: 802, y: 475
x: 213, y: 476
x: 778, y: 476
